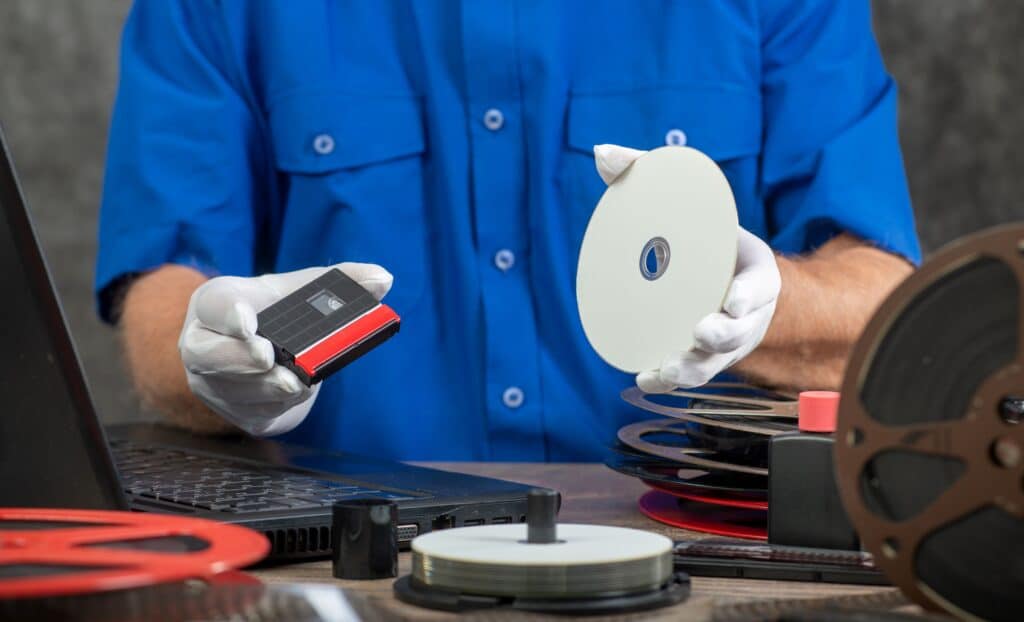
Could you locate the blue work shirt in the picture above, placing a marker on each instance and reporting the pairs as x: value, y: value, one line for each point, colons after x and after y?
x: 451, y: 142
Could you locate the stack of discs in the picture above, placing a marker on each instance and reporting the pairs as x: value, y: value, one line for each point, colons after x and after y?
x: 584, y: 569
x: 706, y: 460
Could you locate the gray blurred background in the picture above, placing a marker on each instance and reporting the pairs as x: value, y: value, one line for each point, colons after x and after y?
x: 959, y: 63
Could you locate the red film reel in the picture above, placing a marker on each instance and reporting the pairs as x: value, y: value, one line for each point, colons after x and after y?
x: 695, y: 516
x: 684, y: 493
x: 45, y: 552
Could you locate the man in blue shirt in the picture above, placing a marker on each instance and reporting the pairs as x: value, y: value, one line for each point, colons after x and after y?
x: 452, y: 143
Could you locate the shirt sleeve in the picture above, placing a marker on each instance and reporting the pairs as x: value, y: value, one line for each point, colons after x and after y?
x: 183, y: 153
x: 831, y: 157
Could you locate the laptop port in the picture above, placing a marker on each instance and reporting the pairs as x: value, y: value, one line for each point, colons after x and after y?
x: 501, y: 519
x: 408, y: 532
x: 472, y: 522
x: 442, y: 522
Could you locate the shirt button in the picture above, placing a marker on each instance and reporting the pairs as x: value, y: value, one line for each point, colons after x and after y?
x: 323, y: 144
x: 494, y: 119
x: 675, y: 137
x: 504, y: 259
x: 513, y: 397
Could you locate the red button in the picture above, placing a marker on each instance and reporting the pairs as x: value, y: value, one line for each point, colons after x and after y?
x: 818, y: 411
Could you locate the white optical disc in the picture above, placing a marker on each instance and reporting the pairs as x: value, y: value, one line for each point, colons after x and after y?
x: 676, y: 203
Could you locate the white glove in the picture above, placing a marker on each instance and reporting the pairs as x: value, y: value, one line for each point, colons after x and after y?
x: 231, y: 369
x: 721, y: 338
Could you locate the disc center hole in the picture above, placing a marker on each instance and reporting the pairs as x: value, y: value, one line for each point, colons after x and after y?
x: 654, y: 258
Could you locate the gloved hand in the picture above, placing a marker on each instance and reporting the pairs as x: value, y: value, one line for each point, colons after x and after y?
x: 721, y: 338
x: 231, y: 369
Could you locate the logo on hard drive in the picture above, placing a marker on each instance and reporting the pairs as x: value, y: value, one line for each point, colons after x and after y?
x: 325, y: 302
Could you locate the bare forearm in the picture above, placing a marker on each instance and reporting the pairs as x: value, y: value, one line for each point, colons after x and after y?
x: 151, y: 319
x: 826, y: 300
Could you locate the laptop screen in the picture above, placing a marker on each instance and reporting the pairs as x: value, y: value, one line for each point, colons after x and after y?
x: 52, y: 449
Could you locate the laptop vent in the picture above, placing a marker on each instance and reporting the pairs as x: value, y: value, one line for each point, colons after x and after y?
x: 313, y: 540
x: 303, y: 540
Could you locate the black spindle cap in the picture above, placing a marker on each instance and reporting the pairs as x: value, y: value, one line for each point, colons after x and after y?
x: 365, y: 539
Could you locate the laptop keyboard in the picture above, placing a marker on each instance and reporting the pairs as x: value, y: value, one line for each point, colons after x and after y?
x: 225, y: 485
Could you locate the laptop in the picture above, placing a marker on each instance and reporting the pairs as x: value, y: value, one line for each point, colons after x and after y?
x: 55, y: 453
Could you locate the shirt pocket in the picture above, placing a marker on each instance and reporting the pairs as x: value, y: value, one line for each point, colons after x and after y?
x: 723, y: 121
x: 352, y: 167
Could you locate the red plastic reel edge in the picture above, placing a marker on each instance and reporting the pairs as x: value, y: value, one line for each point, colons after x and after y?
x: 667, y: 509
x: 105, y: 568
x: 676, y: 491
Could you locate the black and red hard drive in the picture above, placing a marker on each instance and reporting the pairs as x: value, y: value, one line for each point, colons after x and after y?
x: 325, y: 325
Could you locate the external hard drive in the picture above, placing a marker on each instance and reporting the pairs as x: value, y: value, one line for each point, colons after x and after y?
x: 325, y: 325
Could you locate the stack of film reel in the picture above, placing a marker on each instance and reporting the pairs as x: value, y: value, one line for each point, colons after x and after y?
x: 706, y: 458
x: 100, y: 565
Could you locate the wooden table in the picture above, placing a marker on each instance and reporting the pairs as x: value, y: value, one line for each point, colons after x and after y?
x: 591, y: 493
